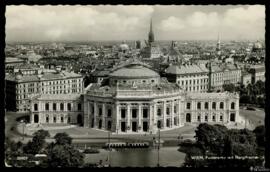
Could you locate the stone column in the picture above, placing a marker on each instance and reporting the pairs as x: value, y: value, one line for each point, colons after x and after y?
x: 164, y: 114
x: 95, y: 114
x: 155, y: 117
x: 179, y: 112
x: 172, y: 114
x: 150, y: 117
x: 104, y: 116
x: 140, y: 117
x: 128, y: 117
x: 117, y: 117
x: 86, y: 113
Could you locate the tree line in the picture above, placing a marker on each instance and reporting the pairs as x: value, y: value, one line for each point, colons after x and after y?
x: 217, y: 146
x: 60, y: 153
x: 249, y: 94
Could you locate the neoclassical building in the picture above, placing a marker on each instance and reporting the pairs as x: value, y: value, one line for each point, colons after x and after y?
x: 60, y: 109
x: 137, y: 100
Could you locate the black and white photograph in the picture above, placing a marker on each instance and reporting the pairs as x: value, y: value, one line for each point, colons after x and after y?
x: 101, y: 86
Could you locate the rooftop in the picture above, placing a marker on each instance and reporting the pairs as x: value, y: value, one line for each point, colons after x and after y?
x: 134, y: 70
x: 57, y: 97
x: 44, y: 76
x: 186, y: 69
x: 220, y: 95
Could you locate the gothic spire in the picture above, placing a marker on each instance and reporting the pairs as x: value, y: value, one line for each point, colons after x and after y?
x: 151, y: 37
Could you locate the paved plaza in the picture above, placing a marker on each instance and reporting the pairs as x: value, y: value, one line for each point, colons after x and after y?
x: 249, y: 119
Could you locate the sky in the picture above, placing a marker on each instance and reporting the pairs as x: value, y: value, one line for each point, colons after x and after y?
x: 121, y: 22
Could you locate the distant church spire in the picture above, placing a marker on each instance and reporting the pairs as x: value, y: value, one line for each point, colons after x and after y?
x: 151, y: 37
x: 218, y: 49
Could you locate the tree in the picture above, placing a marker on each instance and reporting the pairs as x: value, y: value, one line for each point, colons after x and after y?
x: 259, y: 131
x: 245, y: 99
x: 229, y: 87
x: 62, y: 139
x: 217, y: 140
x: 37, y: 143
x: 64, y: 156
x: 210, y: 137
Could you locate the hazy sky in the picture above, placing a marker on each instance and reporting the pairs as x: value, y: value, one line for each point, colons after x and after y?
x: 174, y: 22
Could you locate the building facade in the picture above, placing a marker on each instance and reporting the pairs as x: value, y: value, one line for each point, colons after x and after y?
x: 257, y: 73
x: 22, y: 85
x: 60, y: 109
x: 211, y: 107
x: 191, y: 78
x: 138, y: 100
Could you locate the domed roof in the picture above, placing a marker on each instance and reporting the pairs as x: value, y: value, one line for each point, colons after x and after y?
x: 18, y: 77
x: 257, y: 45
x: 134, y: 71
x: 123, y: 47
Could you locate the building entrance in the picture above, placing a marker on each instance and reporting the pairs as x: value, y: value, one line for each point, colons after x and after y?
x: 134, y: 126
x: 123, y: 126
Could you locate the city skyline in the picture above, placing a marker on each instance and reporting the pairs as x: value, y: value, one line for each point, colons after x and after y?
x: 101, y: 23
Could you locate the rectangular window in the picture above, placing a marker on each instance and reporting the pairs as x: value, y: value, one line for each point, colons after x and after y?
x: 109, y: 113
x: 159, y: 112
x: 35, y: 107
x: 54, y: 106
x: 134, y: 113
x: 79, y: 106
x: 100, y: 111
x: 123, y: 113
x: 188, y: 105
x: 168, y: 111
x: 145, y: 113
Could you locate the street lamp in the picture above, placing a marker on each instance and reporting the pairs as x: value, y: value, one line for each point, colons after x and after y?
x: 109, y: 139
x: 23, y: 124
x: 158, y: 146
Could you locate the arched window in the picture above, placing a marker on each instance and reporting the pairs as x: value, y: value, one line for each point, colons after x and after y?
x: 159, y: 112
x: 199, y: 118
x: 47, y: 118
x: 188, y: 117
x: 54, y: 119
x: 35, y: 107
x: 214, y: 105
x: 206, y: 118
x: 69, y: 106
x: 221, y: 105
x: 221, y: 118
x: 206, y: 105
x: 36, y: 118
x: 79, y: 106
x: 54, y: 106
x: 232, y: 105
x: 199, y: 105
x: 62, y: 106
x: 62, y: 119
x: 47, y: 106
